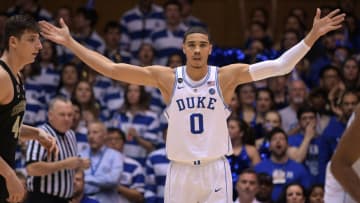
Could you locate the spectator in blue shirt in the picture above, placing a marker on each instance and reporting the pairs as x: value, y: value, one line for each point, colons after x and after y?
x: 106, y: 166
x: 282, y: 169
x: 305, y: 145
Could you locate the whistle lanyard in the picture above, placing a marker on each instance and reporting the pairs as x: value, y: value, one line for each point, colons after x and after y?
x: 94, y: 167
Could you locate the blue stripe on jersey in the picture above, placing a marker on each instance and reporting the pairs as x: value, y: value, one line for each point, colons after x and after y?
x: 136, y: 26
x: 113, y: 96
x: 33, y: 107
x: 156, y: 169
x: 143, y: 119
x: 135, y: 16
x: 133, y: 175
x: 80, y: 137
x: 103, y: 84
x: 166, y: 42
x: 33, y: 87
x: 146, y: 124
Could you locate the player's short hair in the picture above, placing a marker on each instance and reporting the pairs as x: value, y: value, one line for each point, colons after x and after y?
x: 196, y: 29
x: 17, y: 25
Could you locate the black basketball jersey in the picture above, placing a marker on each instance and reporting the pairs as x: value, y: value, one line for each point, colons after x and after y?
x: 11, y: 116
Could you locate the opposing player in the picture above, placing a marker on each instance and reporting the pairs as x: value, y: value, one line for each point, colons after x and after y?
x: 197, y: 96
x: 345, y: 164
x: 22, y: 44
x: 334, y: 192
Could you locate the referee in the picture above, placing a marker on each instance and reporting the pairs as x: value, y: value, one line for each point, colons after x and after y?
x: 51, y: 178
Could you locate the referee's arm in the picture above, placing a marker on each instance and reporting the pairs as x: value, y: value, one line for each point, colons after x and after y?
x: 37, y: 166
x: 43, y: 168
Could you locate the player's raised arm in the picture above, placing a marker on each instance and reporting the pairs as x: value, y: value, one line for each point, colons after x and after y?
x: 242, y: 73
x: 119, y: 71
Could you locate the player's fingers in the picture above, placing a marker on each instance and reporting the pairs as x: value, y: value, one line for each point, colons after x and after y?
x: 333, y: 13
x: 13, y: 198
x: 56, y: 154
x: 52, y: 144
x: 335, y: 27
x: 44, y: 25
x: 46, y: 35
x: 338, y: 19
x: 318, y: 13
x: 62, y: 23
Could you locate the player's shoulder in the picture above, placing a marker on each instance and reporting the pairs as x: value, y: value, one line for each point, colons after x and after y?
x: 228, y: 72
x: 163, y: 72
x: 6, y: 84
x: 234, y: 67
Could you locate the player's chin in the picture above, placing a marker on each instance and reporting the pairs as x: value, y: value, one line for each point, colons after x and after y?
x: 197, y: 64
x: 31, y: 60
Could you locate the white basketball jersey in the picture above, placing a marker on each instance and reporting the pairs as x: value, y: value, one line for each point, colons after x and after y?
x: 197, y: 114
x: 334, y: 192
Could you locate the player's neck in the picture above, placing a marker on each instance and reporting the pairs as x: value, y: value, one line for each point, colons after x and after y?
x: 196, y: 74
x: 13, y: 62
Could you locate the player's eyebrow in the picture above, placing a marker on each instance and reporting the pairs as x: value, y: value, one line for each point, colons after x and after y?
x: 201, y: 42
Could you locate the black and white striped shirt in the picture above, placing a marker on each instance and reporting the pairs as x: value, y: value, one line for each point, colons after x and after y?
x: 60, y: 183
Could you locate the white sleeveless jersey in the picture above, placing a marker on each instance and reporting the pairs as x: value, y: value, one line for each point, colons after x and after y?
x: 197, y: 128
x: 334, y: 192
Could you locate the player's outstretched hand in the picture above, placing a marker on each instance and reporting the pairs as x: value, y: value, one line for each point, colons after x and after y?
x: 331, y: 21
x: 49, y: 143
x: 60, y: 35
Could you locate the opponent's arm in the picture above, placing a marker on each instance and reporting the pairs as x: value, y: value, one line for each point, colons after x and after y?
x: 46, y: 140
x: 121, y: 71
x: 346, y: 159
x: 13, y: 185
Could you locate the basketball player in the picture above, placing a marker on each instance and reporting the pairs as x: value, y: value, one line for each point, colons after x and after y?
x: 334, y: 192
x: 197, y: 96
x: 345, y: 164
x: 22, y: 44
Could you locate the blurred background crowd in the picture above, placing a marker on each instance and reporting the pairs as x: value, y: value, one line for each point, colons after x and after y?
x: 283, y: 130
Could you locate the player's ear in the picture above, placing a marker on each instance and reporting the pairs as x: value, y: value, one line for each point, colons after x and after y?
x: 183, y: 48
x: 12, y: 41
x: 210, y: 50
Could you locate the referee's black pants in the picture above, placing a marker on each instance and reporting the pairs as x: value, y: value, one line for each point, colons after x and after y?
x: 37, y: 197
